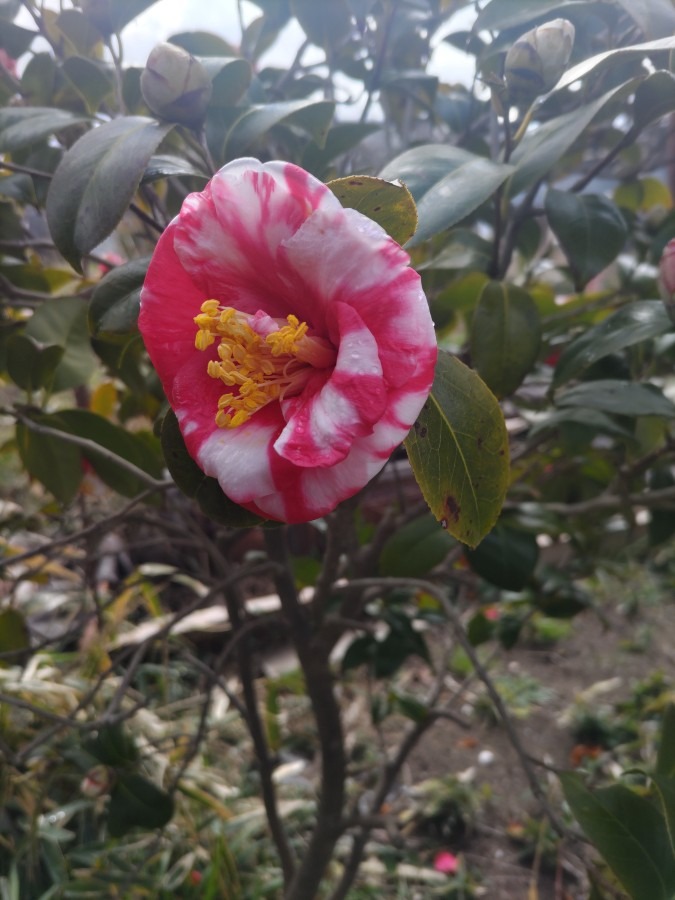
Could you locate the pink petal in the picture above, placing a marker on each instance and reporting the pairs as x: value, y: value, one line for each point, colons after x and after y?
x: 446, y: 862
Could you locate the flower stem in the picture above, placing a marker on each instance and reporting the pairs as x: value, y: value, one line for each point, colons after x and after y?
x: 314, y: 661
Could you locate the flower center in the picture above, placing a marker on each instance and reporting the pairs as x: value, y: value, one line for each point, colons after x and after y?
x: 261, y: 358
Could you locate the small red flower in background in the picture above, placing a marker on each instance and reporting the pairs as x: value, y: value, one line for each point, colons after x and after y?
x: 446, y: 862
x: 8, y: 63
x: 292, y: 339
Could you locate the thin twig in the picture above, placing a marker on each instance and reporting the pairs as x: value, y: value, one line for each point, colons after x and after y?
x: 92, y: 447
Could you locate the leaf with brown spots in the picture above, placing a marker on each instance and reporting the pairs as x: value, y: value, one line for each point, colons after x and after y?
x: 390, y: 205
x: 458, y: 449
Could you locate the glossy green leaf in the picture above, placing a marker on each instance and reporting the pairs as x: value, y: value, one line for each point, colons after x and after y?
x: 55, y: 464
x: 30, y: 364
x: 578, y: 221
x: 128, y: 446
x: 501, y: 14
x: 39, y: 80
x: 23, y: 126
x: 665, y: 789
x: 589, y: 418
x: 654, y: 97
x: 80, y: 33
x: 505, y: 336
x: 167, y: 166
x: 629, y: 832
x: 633, y: 323
x: 325, y: 24
x: 115, y: 303
x: 665, y: 762
x: 203, y: 43
x: 111, y: 16
x: 112, y: 745
x: 415, y: 548
x: 340, y: 138
x: 136, y: 802
x: 63, y: 321
x: 92, y: 81
x: 96, y: 180
x: 541, y: 148
x: 230, y: 78
x: 311, y: 116
x: 447, y: 183
x: 15, y: 40
x: 200, y: 487
x: 459, y: 452
x: 655, y: 17
x: 390, y: 205
x: 620, y: 397
x: 14, y: 636
x: 506, y: 557
x: 601, y: 61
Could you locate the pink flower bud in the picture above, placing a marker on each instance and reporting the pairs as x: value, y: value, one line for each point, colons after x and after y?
x: 96, y: 782
x: 446, y: 862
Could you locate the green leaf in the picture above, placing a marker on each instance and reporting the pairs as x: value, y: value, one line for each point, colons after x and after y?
x: 590, y: 418
x: 415, y: 549
x: 501, y: 14
x: 665, y: 762
x: 654, y: 17
x: 620, y: 397
x: 325, y: 24
x: 136, y: 802
x: 129, y: 446
x: 14, y: 636
x: 15, y: 40
x: 390, y: 205
x: 230, y: 78
x: 92, y: 81
x: 203, y: 43
x: 629, y: 832
x: 459, y: 452
x: 311, y: 116
x: 200, y: 487
x: 632, y: 324
x: 542, y: 147
x: 30, y: 364
x: 96, y: 180
x: 505, y: 336
x: 56, y: 465
x: 577, y: 221
x: 447, y: 183
x: 166, y: 166
x: 112, y: 746
x: 665, y: 788
x: 113, y: 311
x: 619, y: 55
x: 506, y: 558
x: 653, y: 98
x: 63, y: 321
x: 23, y: 126
x: 340, y: 138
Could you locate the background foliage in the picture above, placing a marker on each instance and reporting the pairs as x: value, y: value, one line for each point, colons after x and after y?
x: 543, y: 206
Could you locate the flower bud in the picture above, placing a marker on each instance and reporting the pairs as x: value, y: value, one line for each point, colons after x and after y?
x: 667, y: 278
x: 175, y: 85
x: 96, y: 782
x: 537, y: 59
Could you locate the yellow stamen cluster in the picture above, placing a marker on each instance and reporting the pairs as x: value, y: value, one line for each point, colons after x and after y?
x: 262, y: 369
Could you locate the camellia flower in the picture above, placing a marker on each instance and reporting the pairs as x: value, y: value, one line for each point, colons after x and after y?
x: 292, y: 339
